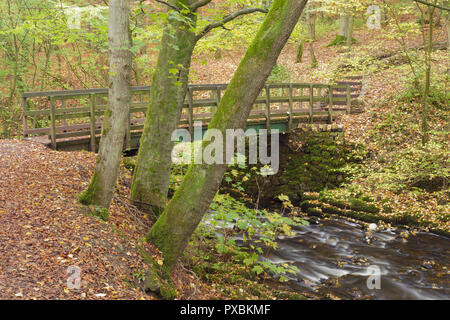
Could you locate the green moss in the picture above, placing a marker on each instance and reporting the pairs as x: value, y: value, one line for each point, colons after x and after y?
x: 168, y: 291
x: 315, y: 212
x: 360, y: 205
x: 87, y: 197
x: 332, y: 210
x: 334, y: 202
x: 340, y: 40
x: 387, y: 208
x: 129, y: 163
x: 307, y: 204
x: 102, y: 213
x: 310, y: 196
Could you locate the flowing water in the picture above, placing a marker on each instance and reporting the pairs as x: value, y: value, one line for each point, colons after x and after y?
x: 339, y: 257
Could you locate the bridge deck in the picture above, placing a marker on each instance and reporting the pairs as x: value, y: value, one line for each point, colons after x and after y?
x: 72, y: 119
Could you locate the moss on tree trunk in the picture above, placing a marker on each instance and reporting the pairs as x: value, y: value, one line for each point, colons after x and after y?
x: 169, y: 86
x: 101, y: 187
x: 173, y: 229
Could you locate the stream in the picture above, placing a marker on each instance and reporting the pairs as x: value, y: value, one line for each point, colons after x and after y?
x: 337, y: 257
x: 334, y: 256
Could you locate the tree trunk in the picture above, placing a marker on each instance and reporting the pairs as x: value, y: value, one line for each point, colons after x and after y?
x: 300, y: 51
x: 101, y: 188
x: 311, y: 22
x: 173, y: 229
x: 344, y: 23
x: 168, y: 91
x: 426, y: 91
x: 349, y: 32
x: 344, y: 20
x: 447, y: 22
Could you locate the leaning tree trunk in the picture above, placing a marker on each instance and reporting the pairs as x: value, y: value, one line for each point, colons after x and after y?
x: 169, y: 87
x: 101, y: 188
x: 168, y: 91
x: 173, y: 229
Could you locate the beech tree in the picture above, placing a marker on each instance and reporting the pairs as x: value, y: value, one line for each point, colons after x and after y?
x: 347, y: 11
x: 173, y: 229
x: 169, y: 87
x: 101, y: 187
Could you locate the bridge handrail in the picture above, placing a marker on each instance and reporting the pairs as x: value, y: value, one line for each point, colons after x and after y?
x: 94, y: 110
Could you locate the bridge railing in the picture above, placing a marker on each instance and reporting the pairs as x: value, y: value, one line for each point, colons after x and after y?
x: 74, y: 114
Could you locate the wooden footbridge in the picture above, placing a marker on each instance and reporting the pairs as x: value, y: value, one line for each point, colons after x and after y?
x: 71, y: 120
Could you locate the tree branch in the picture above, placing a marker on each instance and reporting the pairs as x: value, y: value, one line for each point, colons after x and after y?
x: 199, y: 4
x: 227, y: 19
x: 169, y: 5
x: 432, y: 5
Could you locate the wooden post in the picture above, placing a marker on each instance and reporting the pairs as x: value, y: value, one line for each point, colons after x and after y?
x: 191, y: 112
x: 349, y: 100
x: 291, y: 107
x: 330, y: 104
x: 311, y: 103
x: 53, y: 122
x: 218, y: 97
x: 300, y: 104
x: 25, y: 117
x: 127, y: 143
x: 63, y: 105
x: 92, y: 116
x: 268, y: 107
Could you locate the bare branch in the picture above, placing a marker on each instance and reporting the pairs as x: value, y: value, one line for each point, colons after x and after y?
x: 199, y: 4
x: 169, y: 5
x: 227, y: 19
x: 432, y: 5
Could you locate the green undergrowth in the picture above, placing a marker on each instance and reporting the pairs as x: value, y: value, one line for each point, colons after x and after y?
x: 228, y: 277
x: 228, y: 251
x: 256, y: 229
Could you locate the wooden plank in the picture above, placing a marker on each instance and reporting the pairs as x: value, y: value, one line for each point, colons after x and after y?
x: 320, y: 86
x: 52, y: 122
x: 191, y: 111
x: 218, y: 98
x: 68, y: 94
x: 86, y: 133
x: 349, y: 100
x: 25, y: 118
x: 33, y: 113
x: 92, y: 123
x: 301, y: 95
x: 330, y: 104
x: 63, y: 106
x: 127, y: 142
x: 142, y: 109
x: 352, y: 96
x: 267, y: 107
x: 311, y: 102
x: 291, y: 106
x: 350, y: 83
x: 344, y: 89
x: 39, y: 131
